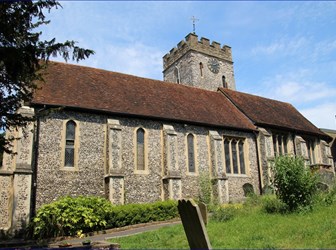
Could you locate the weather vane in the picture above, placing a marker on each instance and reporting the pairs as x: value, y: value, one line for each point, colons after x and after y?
x: 194, y: 20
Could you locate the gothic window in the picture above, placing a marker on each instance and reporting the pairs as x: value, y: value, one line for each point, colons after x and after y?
x: 191, y: 153
x: 234, y: 155
x: 69, y: 156
x: 140, y: 149
x: 279, y: 144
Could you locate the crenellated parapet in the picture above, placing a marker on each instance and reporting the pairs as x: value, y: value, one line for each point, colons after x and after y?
x: 191, y: 42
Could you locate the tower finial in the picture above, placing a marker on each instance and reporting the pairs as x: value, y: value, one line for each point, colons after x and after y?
x: 194, y: 19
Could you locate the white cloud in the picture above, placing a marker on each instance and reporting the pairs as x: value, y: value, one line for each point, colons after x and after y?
x: 135, y: 59
x: 315, y: 100
x: 281, y: 47
x: 297, y: 87
x: 324, y: 49
x: 301, y: 92
x: 322, y: 116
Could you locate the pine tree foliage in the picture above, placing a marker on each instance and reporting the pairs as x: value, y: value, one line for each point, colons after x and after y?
x: 23, y: 54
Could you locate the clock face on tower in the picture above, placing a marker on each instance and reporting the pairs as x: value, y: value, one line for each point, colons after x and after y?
x: 213, y: 65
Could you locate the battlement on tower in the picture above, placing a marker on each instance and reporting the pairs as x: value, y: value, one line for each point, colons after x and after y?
x: 191, y: 42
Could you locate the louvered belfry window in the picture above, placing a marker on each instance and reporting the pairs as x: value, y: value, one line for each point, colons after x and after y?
x: 140, y: 149
x: 69, y: 158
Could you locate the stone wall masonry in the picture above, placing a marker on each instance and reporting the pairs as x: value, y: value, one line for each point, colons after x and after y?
x: 54, y: 181
x: 191, y: 43
x: 6, y: 196
x: 236, y: 182
x: 16, y: 177
x: 21, y: 203
x: 190, y: 73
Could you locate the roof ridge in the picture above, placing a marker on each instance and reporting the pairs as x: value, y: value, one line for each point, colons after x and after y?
x: 255, y: 95
x: 175, y: 85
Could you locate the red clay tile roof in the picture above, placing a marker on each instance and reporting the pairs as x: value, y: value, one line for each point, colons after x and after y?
x: 267, y: 112
x: 115, y: 93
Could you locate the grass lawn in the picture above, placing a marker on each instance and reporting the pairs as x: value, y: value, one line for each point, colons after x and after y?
x: 251, y: 228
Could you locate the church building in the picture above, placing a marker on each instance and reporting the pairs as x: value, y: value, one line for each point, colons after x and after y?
x: 136, y: 140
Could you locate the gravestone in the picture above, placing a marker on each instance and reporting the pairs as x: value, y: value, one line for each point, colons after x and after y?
x: 193, y: 224
x: 204, y: 212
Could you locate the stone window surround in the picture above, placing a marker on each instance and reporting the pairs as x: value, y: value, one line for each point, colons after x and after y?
x: 195, y: 173
x: 312, y: 150
x: 245, y: 154
x: 284, y: 144
x: 76, y: 146
x: 136, y: 170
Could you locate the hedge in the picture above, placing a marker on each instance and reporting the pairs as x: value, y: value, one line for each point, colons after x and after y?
x: 70, y: 216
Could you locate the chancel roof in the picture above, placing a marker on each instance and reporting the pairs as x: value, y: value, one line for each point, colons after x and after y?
x: 97, y: 90
x: 271, y: 113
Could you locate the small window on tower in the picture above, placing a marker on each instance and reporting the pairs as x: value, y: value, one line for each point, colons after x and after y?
x: 201, y: 68
x: 177, y: 74
x: 224, y: 82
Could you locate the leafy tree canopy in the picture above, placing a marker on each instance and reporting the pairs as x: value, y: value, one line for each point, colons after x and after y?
x: 23, y: 54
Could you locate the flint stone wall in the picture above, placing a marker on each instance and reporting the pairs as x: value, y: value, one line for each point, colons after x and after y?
x: 53, y: 181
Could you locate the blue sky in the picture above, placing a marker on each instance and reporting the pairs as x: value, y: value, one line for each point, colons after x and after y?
x: 281, y: 50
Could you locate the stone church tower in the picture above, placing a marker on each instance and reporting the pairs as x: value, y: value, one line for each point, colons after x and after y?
x: 199, y: 64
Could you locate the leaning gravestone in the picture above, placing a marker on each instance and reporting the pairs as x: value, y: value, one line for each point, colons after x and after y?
x: 193, y: 225
x: 204, y: 212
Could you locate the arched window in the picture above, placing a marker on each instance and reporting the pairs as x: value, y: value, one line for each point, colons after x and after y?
x: 140, y: 149
x: 70, y: 136
x: 191, y: 153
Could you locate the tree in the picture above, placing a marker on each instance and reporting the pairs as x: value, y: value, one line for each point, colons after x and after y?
x: 23, y: 55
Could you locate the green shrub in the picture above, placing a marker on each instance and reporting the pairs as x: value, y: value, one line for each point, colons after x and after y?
x: 327, y: 197
x: 294, y: 184
x: 72, y: 216
x: 205, y: 192
x: 271, y: 204
x: 68, y: 215
x: 132, y: 214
